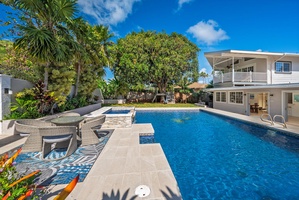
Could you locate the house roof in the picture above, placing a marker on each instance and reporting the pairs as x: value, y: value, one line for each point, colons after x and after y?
x: 225, y: 58
x: 241, y: 53
x: 278, y: 86
x: 197, y: 85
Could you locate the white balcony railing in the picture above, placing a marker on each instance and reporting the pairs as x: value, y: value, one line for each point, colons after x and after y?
x: 246, y: 77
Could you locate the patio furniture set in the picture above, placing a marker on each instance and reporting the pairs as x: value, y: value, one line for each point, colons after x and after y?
x: 64, y: 131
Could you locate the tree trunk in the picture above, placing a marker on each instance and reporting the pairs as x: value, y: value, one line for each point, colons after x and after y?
x: 78, y: 65
x: 46, y: 76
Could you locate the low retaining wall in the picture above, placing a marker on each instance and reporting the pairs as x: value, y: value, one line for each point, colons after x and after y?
x: 114, y: 101
x: 118, y: 122
x: 7, y: 126
x: 116, y: 119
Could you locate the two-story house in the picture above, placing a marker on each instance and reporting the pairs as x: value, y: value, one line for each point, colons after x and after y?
x: 254, y: 82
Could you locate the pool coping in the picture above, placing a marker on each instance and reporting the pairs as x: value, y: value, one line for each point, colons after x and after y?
x: 292, y: 130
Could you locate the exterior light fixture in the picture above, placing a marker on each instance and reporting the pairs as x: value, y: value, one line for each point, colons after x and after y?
x: 7, y: 91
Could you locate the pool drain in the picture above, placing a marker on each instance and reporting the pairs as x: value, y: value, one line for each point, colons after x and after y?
x: 142, y: 191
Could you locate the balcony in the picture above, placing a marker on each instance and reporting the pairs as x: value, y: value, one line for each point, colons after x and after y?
x: 240, y: 77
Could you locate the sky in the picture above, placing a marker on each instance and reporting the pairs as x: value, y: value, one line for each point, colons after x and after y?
x: 213, y: 25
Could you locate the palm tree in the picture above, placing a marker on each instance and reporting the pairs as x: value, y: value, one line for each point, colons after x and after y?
x: 44, y: 32
x: 203, y: 75
x: 94, y: 53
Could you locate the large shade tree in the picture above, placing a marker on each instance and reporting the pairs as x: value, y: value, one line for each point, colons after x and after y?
x: 43, y: 32
x: 158, y: 58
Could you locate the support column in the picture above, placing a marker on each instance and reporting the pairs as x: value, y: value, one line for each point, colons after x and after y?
x: 233, y: 71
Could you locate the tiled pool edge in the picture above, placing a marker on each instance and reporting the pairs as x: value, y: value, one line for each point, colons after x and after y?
x: 241, y: 118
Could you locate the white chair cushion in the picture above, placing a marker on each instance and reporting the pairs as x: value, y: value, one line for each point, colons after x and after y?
x: 54, y: 139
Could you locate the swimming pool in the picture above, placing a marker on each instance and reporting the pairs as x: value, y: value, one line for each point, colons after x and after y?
x: 113, y: 111
x: 214, y: 157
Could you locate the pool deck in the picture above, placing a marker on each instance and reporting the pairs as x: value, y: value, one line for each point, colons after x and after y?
x: 125, y: 164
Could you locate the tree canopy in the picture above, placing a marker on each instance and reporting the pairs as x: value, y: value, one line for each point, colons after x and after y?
x: 158, y: 58
x: 66, y: 49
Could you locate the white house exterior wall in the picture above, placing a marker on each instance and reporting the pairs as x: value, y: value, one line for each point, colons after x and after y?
x: 236, y: 108
x: 278, y: 78
x: 4, y: 98
x: 274, y: 101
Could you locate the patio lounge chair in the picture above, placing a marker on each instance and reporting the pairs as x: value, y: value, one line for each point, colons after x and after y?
x: 29, y: 128
x: 61, y: 136
x: 87, y: 130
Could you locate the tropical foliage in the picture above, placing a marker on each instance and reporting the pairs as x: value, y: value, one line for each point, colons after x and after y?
x: 113, y: 88
x: 14, y: 185
x: 158, y: 58
x: 16, y: 63
x: 66, y: 49
x: 32, y: 103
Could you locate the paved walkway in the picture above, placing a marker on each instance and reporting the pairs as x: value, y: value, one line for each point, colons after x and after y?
x: 123, y: 165
x: 292, y: 128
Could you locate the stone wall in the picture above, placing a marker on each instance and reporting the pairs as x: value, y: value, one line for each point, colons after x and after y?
x: 119, y: 120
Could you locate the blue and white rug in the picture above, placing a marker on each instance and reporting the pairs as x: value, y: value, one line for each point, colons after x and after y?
x: 65, y: 170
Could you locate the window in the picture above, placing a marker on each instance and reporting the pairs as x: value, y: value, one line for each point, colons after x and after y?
x: 236, y: 97
x: 221, y: 97
x: 247, y: 69
x: 218, y: 96
x: 283, y: 67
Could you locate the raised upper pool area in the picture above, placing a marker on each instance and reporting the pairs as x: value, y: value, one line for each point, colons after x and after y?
x: 116, y: 117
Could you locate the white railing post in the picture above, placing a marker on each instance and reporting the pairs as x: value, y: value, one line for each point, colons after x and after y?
x: 250, y: 74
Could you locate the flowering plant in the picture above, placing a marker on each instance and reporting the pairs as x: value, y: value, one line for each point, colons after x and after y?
x: 14, y: 185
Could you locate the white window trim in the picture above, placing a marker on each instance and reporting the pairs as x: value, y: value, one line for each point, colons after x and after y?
x: 283, y: 72
x: 220, y: 97
x: 234, y: 102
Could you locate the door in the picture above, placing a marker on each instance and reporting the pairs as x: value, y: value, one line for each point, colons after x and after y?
x: 295, y: 106
x: 286, y: 106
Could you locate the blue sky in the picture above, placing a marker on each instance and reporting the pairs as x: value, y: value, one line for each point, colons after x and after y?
x: 267, y: 25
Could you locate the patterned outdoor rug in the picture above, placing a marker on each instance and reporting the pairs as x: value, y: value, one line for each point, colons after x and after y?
x: 62, y: 171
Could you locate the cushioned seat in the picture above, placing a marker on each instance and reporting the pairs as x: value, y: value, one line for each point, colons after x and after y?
x: 55, y: 139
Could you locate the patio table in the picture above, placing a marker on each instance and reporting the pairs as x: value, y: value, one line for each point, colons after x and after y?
x: 68, y: 121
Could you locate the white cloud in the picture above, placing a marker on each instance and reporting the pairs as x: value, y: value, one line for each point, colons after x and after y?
x: 208, y: 32
x: 181, y: 2
x: 203, y: 70
x: 109, y: 12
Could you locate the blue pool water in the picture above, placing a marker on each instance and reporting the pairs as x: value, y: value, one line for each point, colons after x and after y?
x: 146, y: 139
x: 117, y: 111
x: 214, y: 157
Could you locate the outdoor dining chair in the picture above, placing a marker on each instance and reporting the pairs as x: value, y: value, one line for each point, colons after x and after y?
x: 58, y: 137
x: 29, y: 128
x: 87, y: 130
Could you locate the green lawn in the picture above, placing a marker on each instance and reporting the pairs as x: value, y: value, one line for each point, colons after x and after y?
x: 155, y: 105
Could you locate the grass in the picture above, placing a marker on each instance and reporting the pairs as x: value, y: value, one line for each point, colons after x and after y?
x: 156, y: 105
